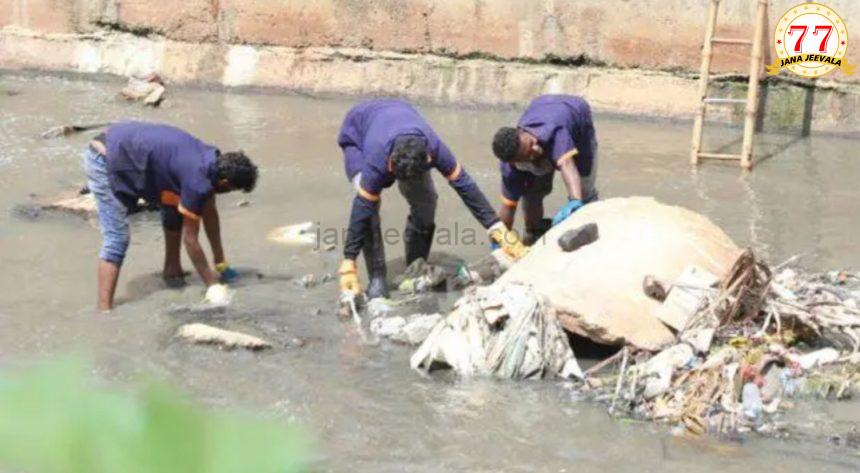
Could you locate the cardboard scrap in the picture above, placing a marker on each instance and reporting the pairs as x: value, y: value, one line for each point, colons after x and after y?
x: 206, y: 334
x: 685, y: 297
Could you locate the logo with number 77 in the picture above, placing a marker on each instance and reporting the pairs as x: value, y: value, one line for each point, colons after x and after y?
x: 810, y: 40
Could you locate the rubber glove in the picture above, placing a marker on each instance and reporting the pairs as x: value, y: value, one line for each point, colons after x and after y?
x: 227, y: 273
x: 349, y: 277
x: 508, y: 241
x: 218, y: 295
x: 572, y: 206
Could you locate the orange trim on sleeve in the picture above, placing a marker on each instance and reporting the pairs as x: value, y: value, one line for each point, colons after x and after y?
x: 187, y: 213
x: 455, y: 173
x: 569, y: 155
x: 368, y: 195
x: 508, y: 202
x: 170, y: 198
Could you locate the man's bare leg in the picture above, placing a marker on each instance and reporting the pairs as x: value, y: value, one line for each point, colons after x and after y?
x: 108, y: 277
x: 173, y: 274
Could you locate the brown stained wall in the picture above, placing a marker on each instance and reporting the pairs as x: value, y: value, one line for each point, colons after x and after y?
x: 43, y: 16
x: 6, y: 14
x: 650, y: 34
x: 185, y: 20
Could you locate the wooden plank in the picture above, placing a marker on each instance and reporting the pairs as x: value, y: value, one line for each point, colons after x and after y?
x: 732, y: 41
x: 753, y: 87
x: 719, y: 156
x: 724, y: 101
x: 704, y: 79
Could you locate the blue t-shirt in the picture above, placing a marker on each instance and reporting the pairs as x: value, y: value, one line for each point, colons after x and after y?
x: 367, y: 138
x: 561, y: 124
x: 160, y: 163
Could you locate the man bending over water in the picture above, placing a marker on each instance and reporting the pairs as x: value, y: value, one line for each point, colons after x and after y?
x: 388, y: 141
x: 555, y: 133
x: 165, y: 165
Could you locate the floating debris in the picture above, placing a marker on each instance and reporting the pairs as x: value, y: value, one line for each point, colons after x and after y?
x: 304, y: 233
x: 757, y: 323
x: 209, y: 335
x: 82, y: 205
x: 68, y: 130
x: 410, y: 330
x: 148, y: 90
x: 503, y: 331
x: 309, y: 281
x: 421, y: 276
x: 710, y: 340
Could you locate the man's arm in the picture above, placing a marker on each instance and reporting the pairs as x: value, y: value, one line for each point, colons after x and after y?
x: 466, y: 188
x: 212, y: 226
x: 507, y: 214
x: 190, y: 233
x: 472, y: 196
x: 364, y: 207
x: 570, y: 175
x: 513, y: 184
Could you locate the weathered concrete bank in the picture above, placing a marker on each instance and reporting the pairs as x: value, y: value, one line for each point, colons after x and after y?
x: 483, y: 52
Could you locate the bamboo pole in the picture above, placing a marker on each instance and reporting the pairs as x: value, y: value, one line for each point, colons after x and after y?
x: 753, y: 88
x: 704, y: 78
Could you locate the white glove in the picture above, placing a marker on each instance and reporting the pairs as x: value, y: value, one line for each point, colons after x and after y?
x: 218, y: 295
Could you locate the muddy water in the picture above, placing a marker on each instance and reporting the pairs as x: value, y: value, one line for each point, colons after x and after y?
x: 367, y: 411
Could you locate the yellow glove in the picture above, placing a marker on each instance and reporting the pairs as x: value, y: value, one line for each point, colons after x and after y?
x: 508, y: 241
x: 349, y: 277
x: 227, y: 273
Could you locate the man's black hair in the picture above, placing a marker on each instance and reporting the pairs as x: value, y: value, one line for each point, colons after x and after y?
x: 409, y: 157
x: 506, y: 143
x: 237, y: 169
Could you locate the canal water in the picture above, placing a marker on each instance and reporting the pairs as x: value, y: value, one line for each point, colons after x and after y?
x: 366, y: 410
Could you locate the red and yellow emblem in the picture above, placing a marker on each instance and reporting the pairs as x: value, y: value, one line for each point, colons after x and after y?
x: 810, y: 40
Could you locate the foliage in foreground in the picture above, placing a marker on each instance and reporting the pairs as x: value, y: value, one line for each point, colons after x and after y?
x: 54, y: 420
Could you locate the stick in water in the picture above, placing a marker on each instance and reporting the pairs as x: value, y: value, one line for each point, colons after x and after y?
x: 66, y: 130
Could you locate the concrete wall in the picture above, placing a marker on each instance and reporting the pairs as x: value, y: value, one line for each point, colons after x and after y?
x: 628, y: 56
x: 653, y: 34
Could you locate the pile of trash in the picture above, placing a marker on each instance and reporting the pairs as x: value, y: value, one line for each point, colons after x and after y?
x: 708, y: 338
x: 773, y: 338
x: 450, y: 275
x: 408, y: 330
x: 502, y: 331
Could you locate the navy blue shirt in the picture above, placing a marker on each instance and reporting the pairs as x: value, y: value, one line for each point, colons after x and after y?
x: 367, y: 138
x: 563, y: 126
x: 160, y: 163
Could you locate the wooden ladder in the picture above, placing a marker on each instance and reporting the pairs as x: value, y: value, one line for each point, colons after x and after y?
x: 751, y: 101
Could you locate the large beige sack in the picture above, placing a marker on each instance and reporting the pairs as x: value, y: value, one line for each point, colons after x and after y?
x: 597, y: 289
